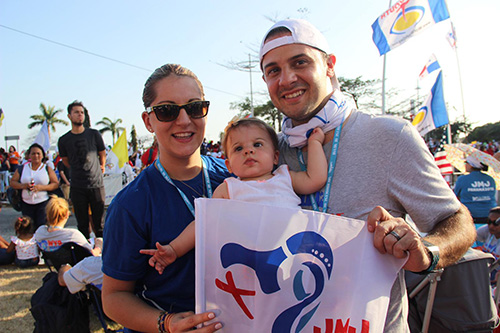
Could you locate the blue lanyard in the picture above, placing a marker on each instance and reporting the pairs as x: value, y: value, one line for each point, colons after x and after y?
x: 331, y: 169
x: 183, y: 196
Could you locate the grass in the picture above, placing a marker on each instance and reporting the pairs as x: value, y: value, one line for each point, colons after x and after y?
x: 16, y: 288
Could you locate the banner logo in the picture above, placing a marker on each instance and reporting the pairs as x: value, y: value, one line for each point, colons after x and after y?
x: 317, y: 256
x: 407, y: 19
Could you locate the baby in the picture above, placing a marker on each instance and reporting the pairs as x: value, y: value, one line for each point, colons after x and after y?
x: 251, y: 148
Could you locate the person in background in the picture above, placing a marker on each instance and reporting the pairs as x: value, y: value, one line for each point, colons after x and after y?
x: 4, y: 173
x: 86, y: 271
x: 381, y: 168
x: 24, y: 243
x: 35, y: 179
x: 489, y: 235
x: 82, y: 150
x: 14, y: 159
x: 156, y: 207
x: 6, y: 258
x: 149, y: 155
x: 53, y: 235
x: 476, y: 190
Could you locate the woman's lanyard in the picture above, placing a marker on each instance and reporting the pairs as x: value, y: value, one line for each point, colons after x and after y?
x: 183, y: 196
x: 331, y: 169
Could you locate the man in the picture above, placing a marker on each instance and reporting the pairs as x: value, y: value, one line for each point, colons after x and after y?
x: 476, y: 190
x: 87, y: 271
x: 380, y: 161
x: 83, y: 151
x: 490, y: 235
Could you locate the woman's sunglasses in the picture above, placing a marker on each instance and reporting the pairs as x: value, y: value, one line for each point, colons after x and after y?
x: 169, y: 112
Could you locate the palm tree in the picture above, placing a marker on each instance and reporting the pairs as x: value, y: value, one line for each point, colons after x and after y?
x: 48, y: 114
x: 111, y: 126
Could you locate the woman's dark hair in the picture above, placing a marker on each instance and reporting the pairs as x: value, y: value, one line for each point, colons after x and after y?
x: 36, y: 145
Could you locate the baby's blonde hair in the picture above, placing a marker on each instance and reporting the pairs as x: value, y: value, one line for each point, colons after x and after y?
x: 57, y: 210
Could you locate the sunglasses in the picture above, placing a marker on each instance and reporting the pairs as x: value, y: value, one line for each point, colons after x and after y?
x: 496, y: 223
x: 169, y: 112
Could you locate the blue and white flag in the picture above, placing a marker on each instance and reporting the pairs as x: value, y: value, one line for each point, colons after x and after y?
x: 433, y: 113
x: 431, y: 65
x: 43, y: 138
x: 406, y: 19
x: 263, y: 268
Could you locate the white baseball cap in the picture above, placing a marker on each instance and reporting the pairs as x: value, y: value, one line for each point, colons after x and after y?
x: 302, y: 32
x: 474, y: 162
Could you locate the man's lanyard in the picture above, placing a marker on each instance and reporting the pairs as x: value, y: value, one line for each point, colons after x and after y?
x: 183, y: 196
x: 331, y: 169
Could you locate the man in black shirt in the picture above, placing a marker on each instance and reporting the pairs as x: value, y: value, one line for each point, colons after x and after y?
x: 83, y: 151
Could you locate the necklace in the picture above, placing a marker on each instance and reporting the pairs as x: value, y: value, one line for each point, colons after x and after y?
x: 199, y: 195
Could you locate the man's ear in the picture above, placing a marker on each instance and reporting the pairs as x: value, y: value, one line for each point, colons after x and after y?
x: 330, y: 64
x: 228, y: 165
x: 264, y: 78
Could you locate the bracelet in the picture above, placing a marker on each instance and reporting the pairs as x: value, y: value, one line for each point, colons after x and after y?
x: 168, y: 319
x: 161, y: 321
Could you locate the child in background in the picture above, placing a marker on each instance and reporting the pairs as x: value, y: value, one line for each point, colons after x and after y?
x: 251, y: 149
x: 53, y: 235
x: 24, y: 243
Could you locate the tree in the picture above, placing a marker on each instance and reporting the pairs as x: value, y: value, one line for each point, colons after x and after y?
x: 48, y: 114
x: 266, y: 112
x: 110, y: 126
x: 457, y: 128
x: 485, y: 133
x: 133, y: 139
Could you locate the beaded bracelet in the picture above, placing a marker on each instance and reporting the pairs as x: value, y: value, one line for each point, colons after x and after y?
x: 161, y: 321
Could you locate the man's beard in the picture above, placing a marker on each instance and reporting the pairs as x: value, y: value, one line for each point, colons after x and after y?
x: 77, y: 123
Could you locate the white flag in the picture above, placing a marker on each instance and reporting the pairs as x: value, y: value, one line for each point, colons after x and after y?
x: 273, y: 269
x: 43, y: 138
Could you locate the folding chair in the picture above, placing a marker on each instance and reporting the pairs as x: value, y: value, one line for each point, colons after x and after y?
x: 456, y: 299
x: 72, y: 253
x: 69, y: 253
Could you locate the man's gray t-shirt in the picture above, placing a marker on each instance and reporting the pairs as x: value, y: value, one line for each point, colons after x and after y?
x: 383, y: 161
x: 82, y: 151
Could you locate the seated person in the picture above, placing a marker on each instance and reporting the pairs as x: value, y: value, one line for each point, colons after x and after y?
x: 53, y: 235
x: 490, y: 234
x: 87, y: 271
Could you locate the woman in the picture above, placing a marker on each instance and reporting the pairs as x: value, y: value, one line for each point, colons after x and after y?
x: 156, y: 207
x: 35, y: 180
x: 14, y: 158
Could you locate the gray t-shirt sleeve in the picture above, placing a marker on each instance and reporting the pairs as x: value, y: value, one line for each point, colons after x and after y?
x: 416, y: 182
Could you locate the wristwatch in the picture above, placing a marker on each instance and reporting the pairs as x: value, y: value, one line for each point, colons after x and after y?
x: 433, y: 251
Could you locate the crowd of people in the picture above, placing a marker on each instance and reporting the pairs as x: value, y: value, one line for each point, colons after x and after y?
x: 158, y: 206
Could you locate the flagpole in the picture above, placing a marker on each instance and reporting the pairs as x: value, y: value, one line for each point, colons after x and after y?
x: 459, y: 71
x: 383, y: 75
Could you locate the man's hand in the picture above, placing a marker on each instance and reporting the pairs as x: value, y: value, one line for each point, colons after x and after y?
x: 401, y: 242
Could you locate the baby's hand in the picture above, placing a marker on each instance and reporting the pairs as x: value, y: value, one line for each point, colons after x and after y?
x: 162, y: 257
x: 318, y: 135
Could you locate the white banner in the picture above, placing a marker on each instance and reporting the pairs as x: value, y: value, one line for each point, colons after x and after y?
x: 270, y: 269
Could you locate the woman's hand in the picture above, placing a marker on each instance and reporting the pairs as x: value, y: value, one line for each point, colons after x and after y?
x: 187, y: 322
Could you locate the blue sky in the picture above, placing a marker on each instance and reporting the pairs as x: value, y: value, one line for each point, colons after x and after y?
x: 203, y: 34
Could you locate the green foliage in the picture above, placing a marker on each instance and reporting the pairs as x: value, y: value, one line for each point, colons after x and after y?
x: 111, y: 126
x: 485, y: 133
x: 266, y: 112
x: 133, y: 139
x: 458, y: 128
x: 50, y: 115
